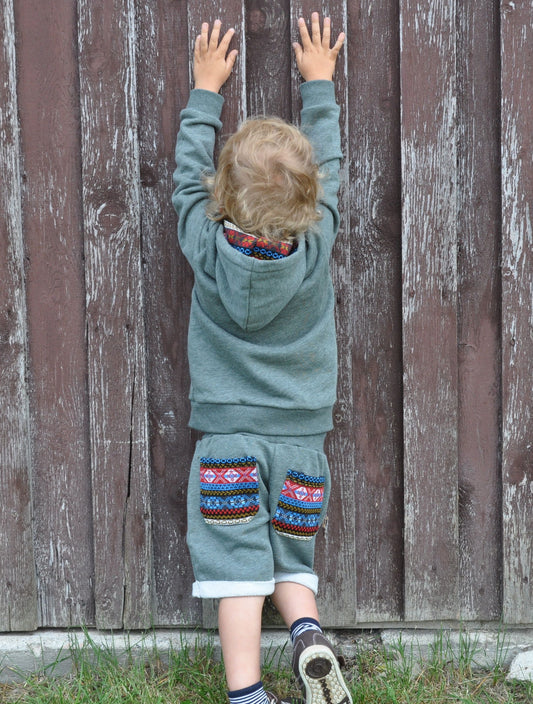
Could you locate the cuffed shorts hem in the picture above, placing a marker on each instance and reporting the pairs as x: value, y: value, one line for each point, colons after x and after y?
x: 305, y: 578
x: 220, y: 589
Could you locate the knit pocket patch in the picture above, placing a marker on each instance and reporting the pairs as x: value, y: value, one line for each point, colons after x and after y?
x: 299, y: 506
x: 229, y: 490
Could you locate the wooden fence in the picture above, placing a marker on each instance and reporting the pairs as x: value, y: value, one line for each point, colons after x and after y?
x: 432, y: 512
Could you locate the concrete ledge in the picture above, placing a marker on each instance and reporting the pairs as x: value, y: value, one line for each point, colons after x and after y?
x: 54, y: 652
x: 486, y: 650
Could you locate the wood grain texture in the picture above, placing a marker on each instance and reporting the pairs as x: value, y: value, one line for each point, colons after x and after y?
x: 18, y: 589
x: 163, y: 90
x: 517, y: 309
x: 374, y: 185
x: 115, y: 322
x: 49, y: 115
x: 429, y: 300
x: 478, y: 223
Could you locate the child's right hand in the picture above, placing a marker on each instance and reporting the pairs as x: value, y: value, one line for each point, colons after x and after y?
x: 315, y: 60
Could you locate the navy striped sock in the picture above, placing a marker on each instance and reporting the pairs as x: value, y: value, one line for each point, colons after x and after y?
x: 304, y: 624
x: 249, y: 695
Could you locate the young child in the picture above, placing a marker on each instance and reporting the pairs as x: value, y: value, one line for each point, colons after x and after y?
x: 262, y: 354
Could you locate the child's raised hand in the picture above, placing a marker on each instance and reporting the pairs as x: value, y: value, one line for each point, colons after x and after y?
x: 315, y: 59
x: 212, y: 63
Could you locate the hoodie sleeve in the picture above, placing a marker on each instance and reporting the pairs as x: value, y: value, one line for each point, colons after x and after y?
x: 200, y: 121
x: 320, y: 122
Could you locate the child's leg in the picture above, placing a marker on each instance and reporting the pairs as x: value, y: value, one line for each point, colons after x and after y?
x: 314, y: 662
x: 239, y: 624
x: 294, y: 601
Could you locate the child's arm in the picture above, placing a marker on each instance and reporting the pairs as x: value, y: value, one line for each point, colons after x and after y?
x: 199, y: 122
x: 315, y: 60
x: 320, y: 112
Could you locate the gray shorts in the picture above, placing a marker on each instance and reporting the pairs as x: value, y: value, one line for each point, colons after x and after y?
x: 254, y: 508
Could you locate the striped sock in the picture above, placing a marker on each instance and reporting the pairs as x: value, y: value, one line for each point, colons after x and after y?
x: 250, y: 695
x: 302, y: 625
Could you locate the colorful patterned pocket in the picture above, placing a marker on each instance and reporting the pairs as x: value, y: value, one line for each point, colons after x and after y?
x: 229, y: 490
x: 299, y: 506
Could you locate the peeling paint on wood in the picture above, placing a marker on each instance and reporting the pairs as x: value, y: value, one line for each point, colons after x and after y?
x: 517, y: 310
x: 375, y: 233
x: 115, y: 315
x: 53, y: 230
x: 429, y: 138
x: 18, y: 593
x: 479, y: 361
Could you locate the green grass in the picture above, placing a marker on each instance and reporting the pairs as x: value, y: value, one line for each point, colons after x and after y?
x: 193, y: 676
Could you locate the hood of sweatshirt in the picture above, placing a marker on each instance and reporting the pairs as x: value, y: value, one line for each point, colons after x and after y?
x: 254, y: 291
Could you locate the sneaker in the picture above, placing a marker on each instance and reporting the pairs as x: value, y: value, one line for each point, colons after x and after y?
x: 273, y: 699
x: 317, y: 670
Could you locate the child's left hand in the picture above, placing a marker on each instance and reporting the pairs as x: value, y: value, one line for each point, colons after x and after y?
x: 212, y: 67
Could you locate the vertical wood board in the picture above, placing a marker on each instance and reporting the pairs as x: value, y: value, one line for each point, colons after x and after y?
x: 115, y: 322
x: 18, y: 593
x: 517, y: 309
x: 374, y: 185
x: 429, y: 300
x: 49, y: 114
x: 478, y: 251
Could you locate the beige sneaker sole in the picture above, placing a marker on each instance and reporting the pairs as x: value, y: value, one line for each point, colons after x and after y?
x: 322, y: 678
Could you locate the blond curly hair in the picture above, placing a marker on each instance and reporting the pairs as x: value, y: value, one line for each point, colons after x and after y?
x: 267, y: 181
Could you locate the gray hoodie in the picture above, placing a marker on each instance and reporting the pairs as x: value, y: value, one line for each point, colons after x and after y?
x: 262, y: 347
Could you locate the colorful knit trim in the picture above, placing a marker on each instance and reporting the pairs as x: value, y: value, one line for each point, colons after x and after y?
x: 229, y: 490
x: 299, y: 506
x: 256, y: 247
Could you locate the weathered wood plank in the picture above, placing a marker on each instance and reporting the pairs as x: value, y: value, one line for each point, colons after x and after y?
x: 517, y: 309
x: 18, y: 594
x: 49, y: 114
x: 335, y: 553
x: 429, y: 300
x: 478, y: 223
x: 163, y: 48
x: 115, y: 325
x: 375, y: 230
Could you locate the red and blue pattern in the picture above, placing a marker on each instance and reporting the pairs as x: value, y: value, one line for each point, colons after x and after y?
x: 256, y: 247
x: 229, y: 489
x: 299, y: 506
